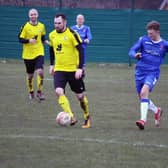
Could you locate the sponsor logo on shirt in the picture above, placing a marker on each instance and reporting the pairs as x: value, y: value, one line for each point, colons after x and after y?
x: 148, y: 42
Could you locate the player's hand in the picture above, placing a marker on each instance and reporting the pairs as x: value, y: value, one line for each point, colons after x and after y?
x: 86, y: 41
x: 51, y: 70
x: 32, y: 41
x: 78, y: 73
x: 138, y: 55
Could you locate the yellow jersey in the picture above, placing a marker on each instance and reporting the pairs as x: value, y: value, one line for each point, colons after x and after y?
x: 29, y: 31
x: 65, y: 51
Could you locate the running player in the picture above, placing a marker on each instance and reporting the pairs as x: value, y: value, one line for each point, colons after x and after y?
x: 83, y: 31
x: 150, y: 51
x: 67, y: 61
x: 32, y: 36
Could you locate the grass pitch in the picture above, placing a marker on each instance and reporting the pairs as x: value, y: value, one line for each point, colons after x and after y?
x: 30, y: 138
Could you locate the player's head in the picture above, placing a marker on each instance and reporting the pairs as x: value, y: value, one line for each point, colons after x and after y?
x: 153, y: 29
x: 80, y: 19
x: 60, y: 22
x: 33, y: 15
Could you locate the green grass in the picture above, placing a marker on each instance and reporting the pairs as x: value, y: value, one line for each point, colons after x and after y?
x: 30, y: 138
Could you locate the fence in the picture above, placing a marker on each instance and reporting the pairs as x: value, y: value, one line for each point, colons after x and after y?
x: 114, y: 31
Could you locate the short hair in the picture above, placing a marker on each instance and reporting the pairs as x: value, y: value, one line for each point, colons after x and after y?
x: 153, y: 25
x: 61, y: 15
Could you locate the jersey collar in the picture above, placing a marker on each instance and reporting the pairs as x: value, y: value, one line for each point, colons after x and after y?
x: 33, y: 24
x: 79, y: 27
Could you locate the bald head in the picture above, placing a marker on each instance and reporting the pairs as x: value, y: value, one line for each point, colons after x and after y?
x: 33, y: 15
x: 32, y: 11
x: 80, y: 19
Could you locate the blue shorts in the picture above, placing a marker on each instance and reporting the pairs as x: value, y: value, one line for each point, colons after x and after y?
x: 149, y: 79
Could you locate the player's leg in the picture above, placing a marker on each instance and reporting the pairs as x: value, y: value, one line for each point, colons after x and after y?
x: 40, y: 76
x: 30, y: 68
x: 152, y: 106
x: 143, y: 93
x: 78, y: 87
x: 152, y: 80
x: 84, y: 105
x: 30, y: 84
x: 157, y: 112
x: 60, y: 84
x: 149, y: 82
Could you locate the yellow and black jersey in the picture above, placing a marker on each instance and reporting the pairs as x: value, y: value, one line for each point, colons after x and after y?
x: 29, y: 31
x: 65, y: 50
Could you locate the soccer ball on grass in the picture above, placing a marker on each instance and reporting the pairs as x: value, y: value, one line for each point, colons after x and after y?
x: 63, y: 119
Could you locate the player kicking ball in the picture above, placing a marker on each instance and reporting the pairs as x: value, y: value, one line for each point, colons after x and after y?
x: 149, y: 51
x: 66, y: 66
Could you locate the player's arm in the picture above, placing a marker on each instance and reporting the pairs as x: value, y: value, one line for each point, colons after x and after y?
x: 77, y: 42
x: 133, y: 53
x: 89, y: 34
x: 22, y: 37
x: 51, y: 50
x: 52, y: 56
x: 79, y: 71
x: 44, y: 40
x: 81, y: 55
x: 24, y: 40
x: 43, y: 37
x: 52, y: 60
x: 166, y: 44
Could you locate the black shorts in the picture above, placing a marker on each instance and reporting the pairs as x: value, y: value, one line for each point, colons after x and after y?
x: 62, y: 78
x: 32, y: 65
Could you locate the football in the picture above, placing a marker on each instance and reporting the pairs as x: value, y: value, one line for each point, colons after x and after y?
x: 63, y: 119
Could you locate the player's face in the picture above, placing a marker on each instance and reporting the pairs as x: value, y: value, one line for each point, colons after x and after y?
x: 153, y: 34
x: 33, y: 15
x: 60, y: 24
x: 80, y: 20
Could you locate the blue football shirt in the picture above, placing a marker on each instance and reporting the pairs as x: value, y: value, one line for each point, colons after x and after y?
x: 153, y: 53
x: 84, y: 32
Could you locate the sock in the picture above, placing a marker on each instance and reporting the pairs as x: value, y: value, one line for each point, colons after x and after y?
x: 64, y: 103
x: 152, y: 107
x: 85, y: 107
x: 39, y: 83
x: 144, y: 109
x: 30, y: 85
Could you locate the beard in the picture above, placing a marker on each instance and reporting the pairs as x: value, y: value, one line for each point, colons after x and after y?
x: 59, y: 30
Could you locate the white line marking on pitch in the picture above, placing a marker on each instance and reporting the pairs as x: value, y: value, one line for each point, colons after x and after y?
x: 101, y: 141
x: 48, y: 79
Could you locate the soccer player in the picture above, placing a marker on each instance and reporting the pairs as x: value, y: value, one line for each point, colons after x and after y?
x: 83, y: 31
x: 32, y: 36
x: 66, y: 65
x: 149, y: 51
